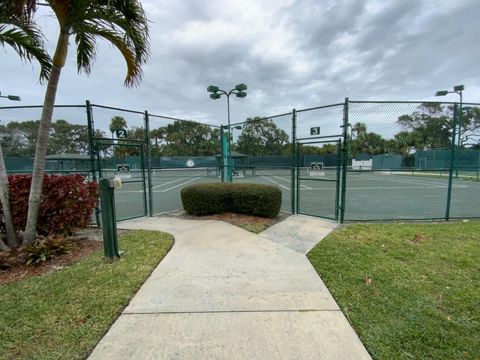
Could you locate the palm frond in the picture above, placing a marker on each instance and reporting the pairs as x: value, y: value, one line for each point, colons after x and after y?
x: 86, y: 51
x: 134, y: 71
x: 26, y: 42
x: 18, y: 30
x: 123, y: 23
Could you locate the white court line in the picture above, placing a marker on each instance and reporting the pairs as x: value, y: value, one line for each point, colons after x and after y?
x: 383, y: 188
x: 173, y: 187
x: 386, y: 177
x: 158, y: 191
x: 290, y: 181
x: 170, y: 182
x: 276, y: 183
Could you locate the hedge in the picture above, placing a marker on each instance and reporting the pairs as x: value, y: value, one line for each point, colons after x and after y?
x: 252, y: 199
x: 67, y: 203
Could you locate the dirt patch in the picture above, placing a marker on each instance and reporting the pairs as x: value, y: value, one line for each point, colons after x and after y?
x: 251, y: 223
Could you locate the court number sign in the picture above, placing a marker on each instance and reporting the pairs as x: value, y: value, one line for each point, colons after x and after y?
x: 121, y: 133
x: 315, y: 130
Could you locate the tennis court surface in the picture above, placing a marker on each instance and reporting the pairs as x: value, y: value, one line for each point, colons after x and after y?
x: 369, y: 195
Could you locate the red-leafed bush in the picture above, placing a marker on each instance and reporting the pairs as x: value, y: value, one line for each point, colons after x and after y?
x: 67, y: 203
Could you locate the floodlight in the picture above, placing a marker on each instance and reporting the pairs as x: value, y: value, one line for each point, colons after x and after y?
x: 241, y: 94
x: 212, y: 89
x: 215, y: 96
x: 241, y: 87
x: 441, y: 93
x: 459, y: 88
x: 14, y: 97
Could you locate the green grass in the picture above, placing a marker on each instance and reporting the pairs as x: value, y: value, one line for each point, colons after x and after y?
x: 62, y: 315
x: 424, y: 298
x: 254, y: 228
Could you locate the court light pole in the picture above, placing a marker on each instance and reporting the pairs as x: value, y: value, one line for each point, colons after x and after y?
x: 458, y: 89
x: 216, y: 93
x: 10, y: 97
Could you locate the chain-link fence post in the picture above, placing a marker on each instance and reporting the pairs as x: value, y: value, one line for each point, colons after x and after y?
x: 344, y: 160
x: 294, y: 161
x: 149, y: 163
x: 452, y: 161
x: 91, y: 152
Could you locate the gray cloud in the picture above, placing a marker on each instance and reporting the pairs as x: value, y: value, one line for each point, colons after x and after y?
x: 290, y: 53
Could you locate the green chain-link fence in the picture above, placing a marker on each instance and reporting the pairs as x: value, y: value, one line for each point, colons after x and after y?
x: 351, y: 161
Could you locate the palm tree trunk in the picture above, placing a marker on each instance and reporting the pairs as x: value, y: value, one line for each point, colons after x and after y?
x: 3, y: 246
x: 36, y: 187
x: 12, y: 240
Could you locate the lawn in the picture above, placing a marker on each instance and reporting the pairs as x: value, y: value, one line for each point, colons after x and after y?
x: 411, y: 291
x: 63, y: 314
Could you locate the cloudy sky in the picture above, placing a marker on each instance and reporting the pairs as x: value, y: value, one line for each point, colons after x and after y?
x: 290, y: 53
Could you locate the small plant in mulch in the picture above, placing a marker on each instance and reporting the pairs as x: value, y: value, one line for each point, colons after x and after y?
x: 45, y: 254
x: 45, y: 248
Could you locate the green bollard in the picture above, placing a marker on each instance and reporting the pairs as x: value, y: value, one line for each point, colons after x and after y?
x: 107, y: 202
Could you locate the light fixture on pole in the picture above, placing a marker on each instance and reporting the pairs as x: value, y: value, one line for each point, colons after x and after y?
x: 458, y: 89
x: 216, y: 93
x: 11, y: 97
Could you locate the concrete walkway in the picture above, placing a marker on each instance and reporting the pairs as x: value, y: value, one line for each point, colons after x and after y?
x: 225, y: 293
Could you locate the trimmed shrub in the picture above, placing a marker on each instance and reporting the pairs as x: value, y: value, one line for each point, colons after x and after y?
x: 67, y: 203
x: 250, y: 199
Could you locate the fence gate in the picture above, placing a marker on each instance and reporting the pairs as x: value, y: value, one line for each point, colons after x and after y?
x: 318, y: 178
x: 124, y: 159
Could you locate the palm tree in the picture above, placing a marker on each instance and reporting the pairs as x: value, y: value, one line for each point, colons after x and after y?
x: 359, y: 129
x: 117, y: 123
x: 18, y: 30
x: 124, y: 24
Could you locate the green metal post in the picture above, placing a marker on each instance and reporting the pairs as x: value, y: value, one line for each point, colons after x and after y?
x: 452, y: 159
x: 110, y: 242
x: 297, y: 181
x: 226, y: 173
x: 337, y: 192
x: 344, y: 160
x: 293, y: 191
x: 91, y: 153
x: 149, y: 164
x: 142, y: 159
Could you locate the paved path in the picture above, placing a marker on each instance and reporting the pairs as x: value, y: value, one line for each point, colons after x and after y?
x: 225, y: 293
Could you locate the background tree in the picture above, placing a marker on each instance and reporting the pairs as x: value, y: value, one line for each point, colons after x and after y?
x: 123, y: 148
x: 319, y: 150
x: 261, y: 136
x: 19, y: 138
x: 359, y: 129
x: 469, y: 127
x: 368, y: 143
x: 117, y: 123
x: 122, y: 23
x: 188, y: 138
x: 429, y: 127
x: 156, y: 135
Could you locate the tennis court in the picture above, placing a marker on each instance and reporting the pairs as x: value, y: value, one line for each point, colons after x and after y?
x: 370, y: 195
x: 166, y: 187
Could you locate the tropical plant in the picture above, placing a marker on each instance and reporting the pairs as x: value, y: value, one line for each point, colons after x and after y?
x: 18, y: 30
x: 124, y: 24
x: 117, y: 123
